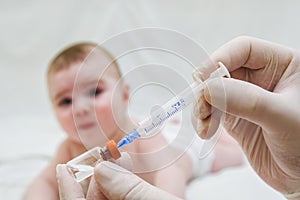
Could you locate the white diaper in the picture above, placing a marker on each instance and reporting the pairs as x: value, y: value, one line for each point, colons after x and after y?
x: 200, y: 151
x: 202, y: 156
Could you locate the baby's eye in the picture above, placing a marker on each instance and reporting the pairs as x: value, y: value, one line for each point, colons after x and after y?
x: 65, y: 102
x: 95, y: 92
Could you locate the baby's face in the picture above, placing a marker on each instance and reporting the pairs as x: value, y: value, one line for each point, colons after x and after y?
x: 87, y: 103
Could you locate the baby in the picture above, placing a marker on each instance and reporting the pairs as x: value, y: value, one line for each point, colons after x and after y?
x: 90, y: 101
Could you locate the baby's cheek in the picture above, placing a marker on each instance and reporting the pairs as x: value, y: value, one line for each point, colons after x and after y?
x: 62, y: 119
x: 105, y: 116
x: 68, y: 124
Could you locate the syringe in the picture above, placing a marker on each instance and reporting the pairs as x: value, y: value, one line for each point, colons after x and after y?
x: 152, y: 123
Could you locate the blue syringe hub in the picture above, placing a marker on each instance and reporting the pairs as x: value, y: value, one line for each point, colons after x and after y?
x: 133, y: 135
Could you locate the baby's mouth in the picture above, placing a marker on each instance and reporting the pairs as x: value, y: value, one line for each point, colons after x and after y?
x: 86, y: 126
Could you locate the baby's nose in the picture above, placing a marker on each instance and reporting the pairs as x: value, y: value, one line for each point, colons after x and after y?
x: 81, y: 107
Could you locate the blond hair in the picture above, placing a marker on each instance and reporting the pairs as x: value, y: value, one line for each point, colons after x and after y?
x: 77, y: 53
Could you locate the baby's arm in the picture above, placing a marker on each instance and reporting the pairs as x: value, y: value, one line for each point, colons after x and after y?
x: 45, y: 185
x: 174, y: 178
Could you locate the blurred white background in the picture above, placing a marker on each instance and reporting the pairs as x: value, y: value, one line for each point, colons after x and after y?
x: 33, y: 31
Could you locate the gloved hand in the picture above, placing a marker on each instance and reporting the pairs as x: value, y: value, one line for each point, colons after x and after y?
x: 262, y: 106
x: 110, y: 181
x: 67, y: 185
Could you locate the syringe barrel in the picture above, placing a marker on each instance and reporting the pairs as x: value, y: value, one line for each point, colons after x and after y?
x: 154, y: 122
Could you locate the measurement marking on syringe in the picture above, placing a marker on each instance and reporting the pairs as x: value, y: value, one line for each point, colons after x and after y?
x: 169, y: 109
x: 178, y: 106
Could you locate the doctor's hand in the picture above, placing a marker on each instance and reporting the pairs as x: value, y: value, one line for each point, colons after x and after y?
x: 110, y: 181
x: 262, y: 106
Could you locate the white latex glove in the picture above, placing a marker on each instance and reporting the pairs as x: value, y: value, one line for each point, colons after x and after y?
x: 262, y: 107
x: 110, y: 181
x: 70, y: 189
x: 67, y: 185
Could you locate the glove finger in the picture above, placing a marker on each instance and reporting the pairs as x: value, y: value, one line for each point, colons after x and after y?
x: 69, y: 189
x: 204, y: 108
x: 249, y: 52
x: 243, y: 99
x: 124, y: 161
x: 94, y: 192
x: 207, y: 127
x: 118, y: 183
